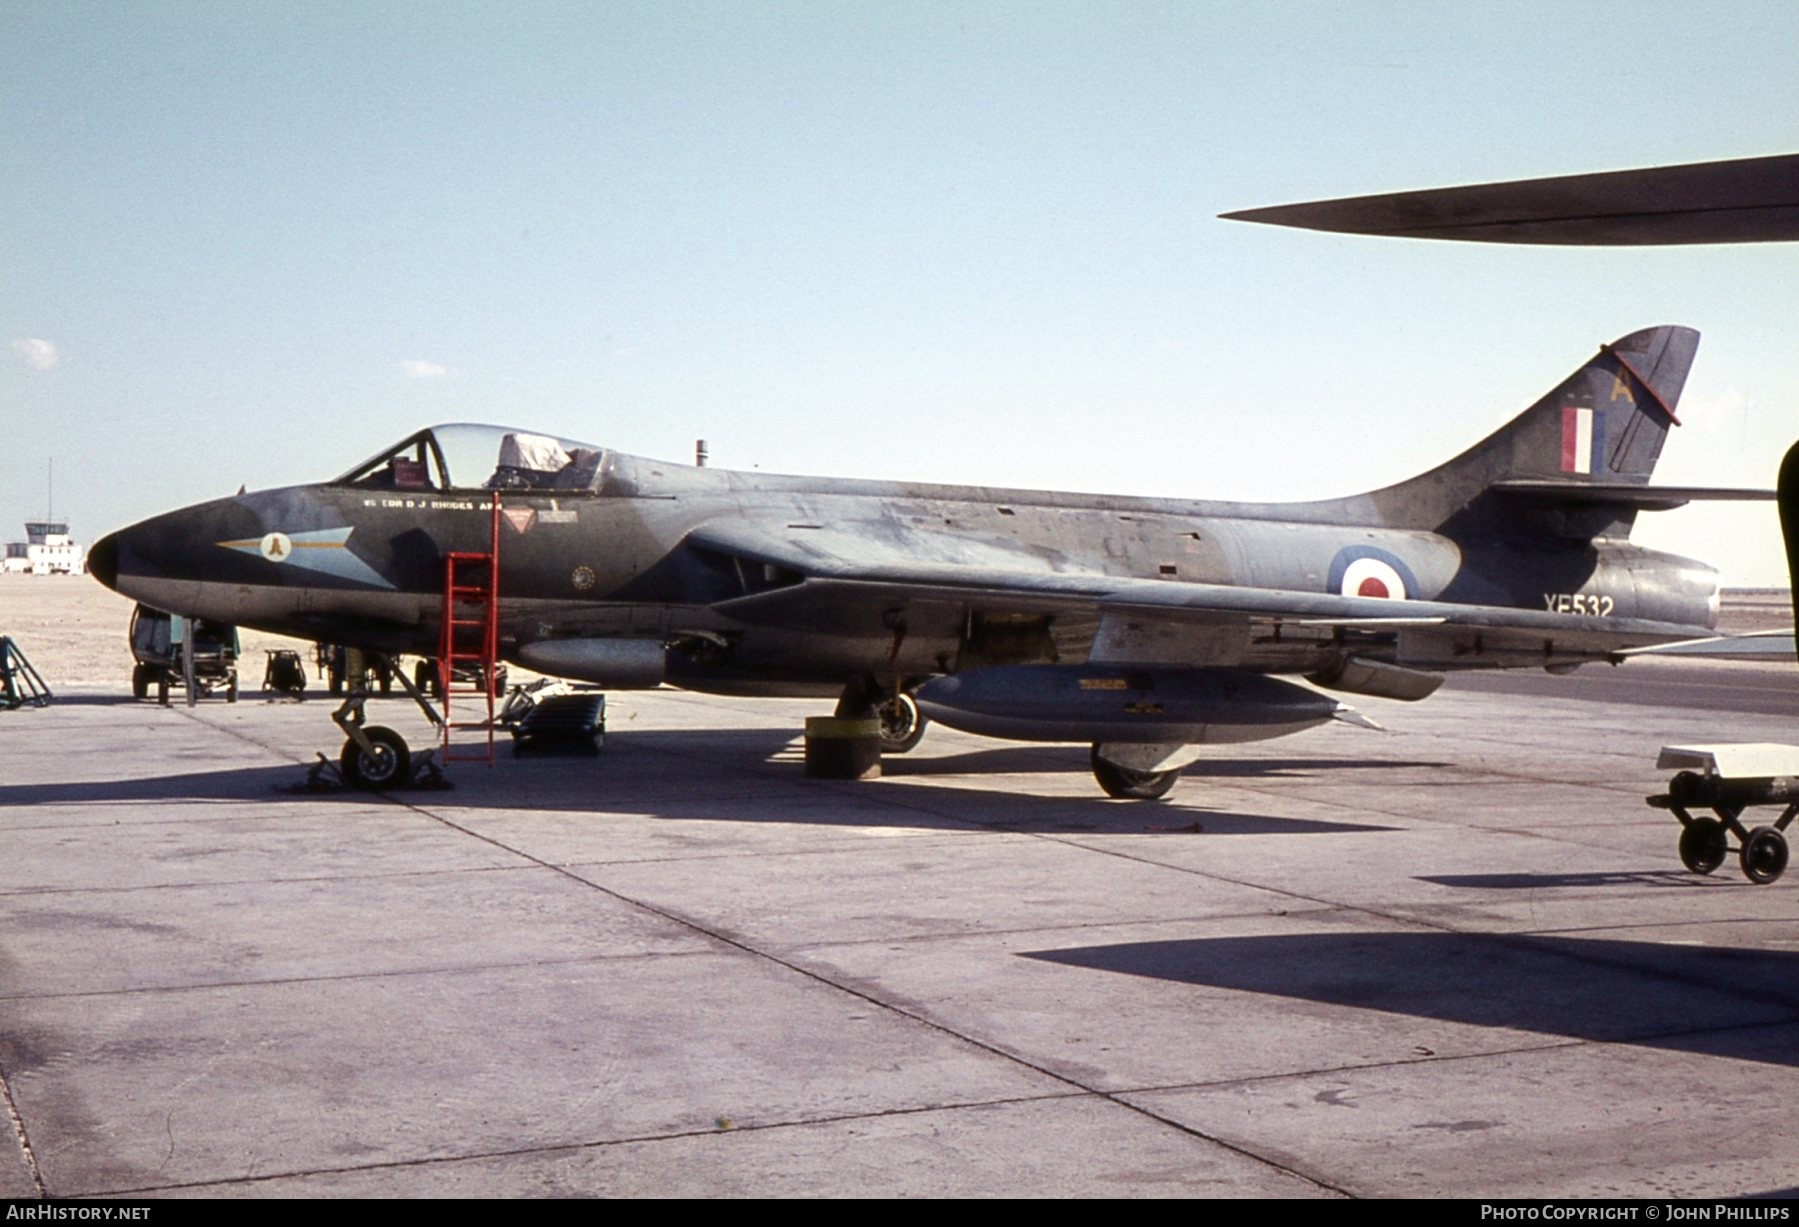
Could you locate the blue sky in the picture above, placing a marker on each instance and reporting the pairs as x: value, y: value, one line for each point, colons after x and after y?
x: 959, y: 242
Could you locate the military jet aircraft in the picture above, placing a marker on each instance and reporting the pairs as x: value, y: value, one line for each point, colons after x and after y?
x: 1146, y: 627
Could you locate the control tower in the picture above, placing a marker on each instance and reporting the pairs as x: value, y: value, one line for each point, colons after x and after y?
x: 47, y: 550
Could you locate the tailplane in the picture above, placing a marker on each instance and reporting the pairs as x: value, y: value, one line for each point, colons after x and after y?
x: 1571, y: 464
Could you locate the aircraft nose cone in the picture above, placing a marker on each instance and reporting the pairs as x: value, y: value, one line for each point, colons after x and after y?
x: 103, y: 560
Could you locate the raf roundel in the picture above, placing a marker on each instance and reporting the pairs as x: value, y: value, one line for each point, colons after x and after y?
x: 1366, y: 571
x: 1372, y: 577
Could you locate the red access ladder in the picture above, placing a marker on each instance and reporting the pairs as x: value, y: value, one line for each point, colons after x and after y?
x: 471, y: 635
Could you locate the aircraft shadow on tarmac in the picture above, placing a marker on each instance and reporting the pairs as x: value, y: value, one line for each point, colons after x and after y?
x: 745, y: 776
x: 1023, y: 759
x: 1715, y: 1001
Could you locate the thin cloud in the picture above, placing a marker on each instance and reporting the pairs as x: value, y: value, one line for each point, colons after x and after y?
x: 36, y: 353
x: 418, y: 368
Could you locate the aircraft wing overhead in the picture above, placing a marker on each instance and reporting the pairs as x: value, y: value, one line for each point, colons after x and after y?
x: 1747, y: 200
x: 832, y: 578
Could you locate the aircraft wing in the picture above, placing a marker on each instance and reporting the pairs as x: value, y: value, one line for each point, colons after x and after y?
x: 1748, y: 200
x: 1751, y: 645
x: 835, y: 579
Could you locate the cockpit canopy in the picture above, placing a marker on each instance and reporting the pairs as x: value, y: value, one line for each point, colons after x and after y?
x: 466, y: 456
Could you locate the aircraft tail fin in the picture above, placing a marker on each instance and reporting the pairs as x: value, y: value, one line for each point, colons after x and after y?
x: 1578, y: 455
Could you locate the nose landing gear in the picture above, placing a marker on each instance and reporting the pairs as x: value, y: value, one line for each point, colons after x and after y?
x: 385, y: 763
x: 375, y: 758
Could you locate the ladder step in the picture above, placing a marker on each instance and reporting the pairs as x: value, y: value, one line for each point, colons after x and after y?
x: 469, y: 626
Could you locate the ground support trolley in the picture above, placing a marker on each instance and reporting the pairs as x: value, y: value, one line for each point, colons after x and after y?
x: 1728, y: 779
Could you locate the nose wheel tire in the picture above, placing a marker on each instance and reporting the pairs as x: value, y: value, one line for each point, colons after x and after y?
x: 1764, y: 855
x: 902, y: 724
x: 388, y: 767
x: 1702, y: 845
x: 1128, y: 785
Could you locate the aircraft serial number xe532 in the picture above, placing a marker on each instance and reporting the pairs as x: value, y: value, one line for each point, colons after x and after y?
x: 1146, y: 627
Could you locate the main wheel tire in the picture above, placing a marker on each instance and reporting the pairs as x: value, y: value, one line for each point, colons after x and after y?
x: 140, y: 681
x: 1764, y: 855
x: 1702, y: 845
x: 389, y: 766
x: 1128, y: 785
x: 902, y: 724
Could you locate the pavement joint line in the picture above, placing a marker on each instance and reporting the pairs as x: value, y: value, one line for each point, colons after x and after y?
x: 1414, y: 823
x: 20, y: 1136
x: 198, y: 716
x: 1664, y: 924
x: 819, y: 977
x: 833, y: 849
x: 975, y: 934
x: 608, y: 1143
x: 1549, y: 1044
x: 148, y: 823
x: 381, y: 875
x: 1070, y: 841
x: 396, y: 973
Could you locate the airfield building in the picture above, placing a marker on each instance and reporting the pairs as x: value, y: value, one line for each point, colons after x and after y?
x: 47, y: 550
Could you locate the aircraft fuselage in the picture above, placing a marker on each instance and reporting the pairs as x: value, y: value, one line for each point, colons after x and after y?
x: 364, y: 566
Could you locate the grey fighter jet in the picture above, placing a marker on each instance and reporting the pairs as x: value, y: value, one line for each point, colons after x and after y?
x: 1146, y: 627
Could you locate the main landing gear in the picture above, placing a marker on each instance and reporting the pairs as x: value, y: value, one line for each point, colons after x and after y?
x: 1734, y: 779
x: 902, y: 724
x: 1128, y: 785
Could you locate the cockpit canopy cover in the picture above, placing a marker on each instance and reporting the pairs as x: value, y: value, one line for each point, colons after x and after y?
x: 467, y: 456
